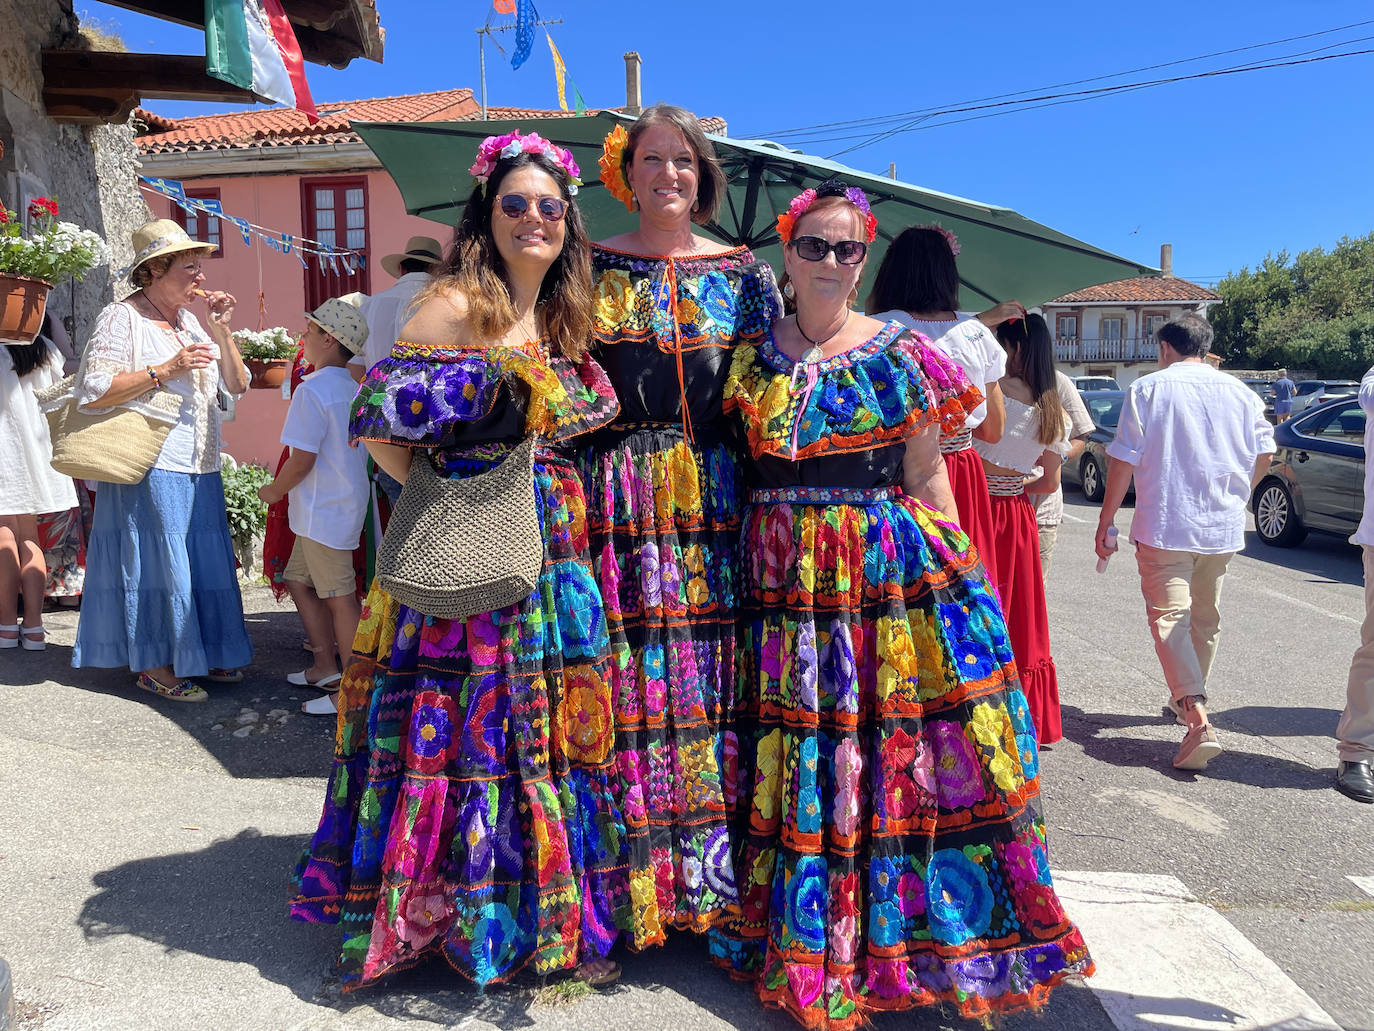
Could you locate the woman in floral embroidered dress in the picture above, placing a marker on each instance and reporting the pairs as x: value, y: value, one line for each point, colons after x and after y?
x: 469, y: 811
x: 894, y: 856
x: 663, y: 511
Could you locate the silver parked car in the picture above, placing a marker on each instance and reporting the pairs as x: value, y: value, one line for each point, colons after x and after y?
x: 1316, y: 481
x: 1313, y: 392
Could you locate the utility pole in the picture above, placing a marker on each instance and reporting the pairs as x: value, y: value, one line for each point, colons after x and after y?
x: 892, y: 170
x: 482, y: 34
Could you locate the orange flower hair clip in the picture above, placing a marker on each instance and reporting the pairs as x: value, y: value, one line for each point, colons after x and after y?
x: 612, y: 162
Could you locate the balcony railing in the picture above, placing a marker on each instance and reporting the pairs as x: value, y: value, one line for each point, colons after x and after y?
x: 1104, y: 349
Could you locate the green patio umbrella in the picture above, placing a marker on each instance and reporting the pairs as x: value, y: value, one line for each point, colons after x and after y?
x: 1004, y: 255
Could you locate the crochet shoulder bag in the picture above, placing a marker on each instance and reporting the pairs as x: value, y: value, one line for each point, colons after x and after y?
x: 459, y: 546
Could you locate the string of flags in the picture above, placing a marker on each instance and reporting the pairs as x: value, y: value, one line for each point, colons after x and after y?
x: 526, y: 20
x: 338, y: 260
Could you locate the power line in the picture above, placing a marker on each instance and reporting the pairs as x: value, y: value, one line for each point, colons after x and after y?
x: 878, y: 119
x: 814, y: 134
x: 1077, y: 96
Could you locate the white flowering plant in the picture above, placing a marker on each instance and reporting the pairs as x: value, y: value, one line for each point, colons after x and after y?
x: 266, y: 344
x: 52, y: 251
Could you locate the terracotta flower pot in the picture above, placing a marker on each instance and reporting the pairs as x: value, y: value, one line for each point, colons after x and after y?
x: 22, y: 303
x: 267, y: 373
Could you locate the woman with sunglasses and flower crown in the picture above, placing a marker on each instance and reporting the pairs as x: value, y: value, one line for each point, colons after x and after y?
x: 469, y: 812
x: 663, y: 511
x: 894, y: 856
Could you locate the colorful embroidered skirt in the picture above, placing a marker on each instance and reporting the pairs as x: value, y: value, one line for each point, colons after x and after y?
x: 1021, y: 585
x: 663, y: 518
x: 469, y: 812
x: 894, y: 856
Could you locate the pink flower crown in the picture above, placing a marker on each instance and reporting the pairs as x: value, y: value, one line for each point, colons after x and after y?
x: 803, y: 201
x: 494, y: 148
x: 950, y: 238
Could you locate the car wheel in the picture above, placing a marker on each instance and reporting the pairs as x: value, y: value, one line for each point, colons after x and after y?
x: 1093, y: 479
x: 1276, y: 518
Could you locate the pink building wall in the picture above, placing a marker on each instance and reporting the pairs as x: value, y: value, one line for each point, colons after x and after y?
x: 274, y: 202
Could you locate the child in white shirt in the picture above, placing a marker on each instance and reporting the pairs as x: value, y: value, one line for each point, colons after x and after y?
x: 326, y: 481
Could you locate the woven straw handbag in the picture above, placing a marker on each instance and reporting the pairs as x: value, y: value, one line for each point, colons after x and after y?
x: 457, y: 547
x: 116, y: 446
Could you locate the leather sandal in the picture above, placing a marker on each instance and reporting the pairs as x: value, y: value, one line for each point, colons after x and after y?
x: 9, y: 642
x: 329, y: 683
x: 29, y: 642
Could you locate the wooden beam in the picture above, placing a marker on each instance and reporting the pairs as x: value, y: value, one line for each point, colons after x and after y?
x: 91, y: 86
x: 180, y: 11
x: 163, y: 76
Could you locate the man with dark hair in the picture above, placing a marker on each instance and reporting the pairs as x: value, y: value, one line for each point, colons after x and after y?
x: 1196, y: 441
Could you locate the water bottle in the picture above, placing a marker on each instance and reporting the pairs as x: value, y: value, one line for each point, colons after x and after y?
x: 1111, y: 546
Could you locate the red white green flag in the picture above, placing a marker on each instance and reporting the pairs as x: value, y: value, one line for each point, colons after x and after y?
x: 251, y: 44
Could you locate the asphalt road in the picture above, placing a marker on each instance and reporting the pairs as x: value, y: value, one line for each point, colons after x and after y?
x: 145, y: 847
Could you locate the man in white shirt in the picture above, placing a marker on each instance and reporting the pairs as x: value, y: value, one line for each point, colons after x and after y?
x: 386, y: 312
x: 1355, y: 732
x: 1196, y: 441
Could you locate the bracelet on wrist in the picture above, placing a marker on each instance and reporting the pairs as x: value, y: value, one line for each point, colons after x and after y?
x: 152, y: 375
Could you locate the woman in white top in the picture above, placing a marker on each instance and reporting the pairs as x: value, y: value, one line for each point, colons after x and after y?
x: 1035, y: 439
x: 28, y: 487
x: 918, y: 286
x: 161, y: 594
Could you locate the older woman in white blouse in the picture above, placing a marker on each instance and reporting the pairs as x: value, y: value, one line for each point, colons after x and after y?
x: 161, y: 594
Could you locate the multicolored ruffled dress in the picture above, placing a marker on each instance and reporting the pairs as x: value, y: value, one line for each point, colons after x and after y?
x: 663, y: 511
x: 469, y: 811
x: 894, y: 856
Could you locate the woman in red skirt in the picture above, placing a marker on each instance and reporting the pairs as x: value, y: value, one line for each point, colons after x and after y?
x: 1027, y: 458
x: 918, y: 286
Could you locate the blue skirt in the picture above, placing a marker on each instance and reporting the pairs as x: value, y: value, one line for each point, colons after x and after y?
x: 161, y: 589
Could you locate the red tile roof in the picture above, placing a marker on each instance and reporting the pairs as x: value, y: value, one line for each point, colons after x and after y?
x: 285, y: 127
x: 1143, y: 288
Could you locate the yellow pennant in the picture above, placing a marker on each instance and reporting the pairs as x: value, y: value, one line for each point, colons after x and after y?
x: 559, y: 73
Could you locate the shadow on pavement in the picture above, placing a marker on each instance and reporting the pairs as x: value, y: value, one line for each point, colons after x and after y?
x: 1234, y: 764
x: 1279, y: 720
x: 228, y: 902
x: 1326, y: 556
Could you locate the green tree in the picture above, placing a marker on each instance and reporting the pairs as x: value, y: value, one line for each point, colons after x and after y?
x: 1315, y: 311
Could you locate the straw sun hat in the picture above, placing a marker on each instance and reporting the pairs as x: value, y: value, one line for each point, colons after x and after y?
x: 421, y: 248
x: 160, y: 237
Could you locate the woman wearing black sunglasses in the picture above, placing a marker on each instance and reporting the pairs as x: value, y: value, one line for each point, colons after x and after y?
x: 893, y: 856
x: 663, y: 510
x: 469, y: 810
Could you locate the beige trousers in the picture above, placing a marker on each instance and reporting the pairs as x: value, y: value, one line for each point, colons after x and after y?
x: 1355, y: 732
x: 1048, y: 535
x: 1181, y: 590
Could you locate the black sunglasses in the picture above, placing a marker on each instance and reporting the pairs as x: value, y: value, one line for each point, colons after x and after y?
x: 813, y: 248
x: 550, y: 209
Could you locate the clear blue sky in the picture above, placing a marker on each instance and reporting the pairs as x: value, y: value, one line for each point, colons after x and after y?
x: 1226, y: 169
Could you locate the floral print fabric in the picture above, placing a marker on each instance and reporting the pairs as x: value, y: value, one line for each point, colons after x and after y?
x: 469, y: 811
x: 663, y: 508
x: 892, y: 854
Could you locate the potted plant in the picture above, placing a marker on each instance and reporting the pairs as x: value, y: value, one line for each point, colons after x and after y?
x: 31, y: 265
x: 268, y: 353
x: 245, y: 512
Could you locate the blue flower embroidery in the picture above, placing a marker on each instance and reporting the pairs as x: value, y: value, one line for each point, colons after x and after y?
x: 959, y: 900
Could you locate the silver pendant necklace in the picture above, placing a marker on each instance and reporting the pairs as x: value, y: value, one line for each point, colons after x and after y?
x: 814, y: 354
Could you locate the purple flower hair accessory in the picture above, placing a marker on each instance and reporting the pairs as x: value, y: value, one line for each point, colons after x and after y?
x: 494, y: 148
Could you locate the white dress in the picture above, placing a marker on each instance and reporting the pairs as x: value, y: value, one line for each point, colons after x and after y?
x: 28, y: 483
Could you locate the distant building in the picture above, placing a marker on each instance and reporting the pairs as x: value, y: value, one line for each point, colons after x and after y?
x: 1109, y: 330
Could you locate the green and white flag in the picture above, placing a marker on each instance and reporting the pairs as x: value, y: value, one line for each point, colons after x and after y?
x: 251, y: 44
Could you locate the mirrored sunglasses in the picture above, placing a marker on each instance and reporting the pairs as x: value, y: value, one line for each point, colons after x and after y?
x: 813, y: 248
x: 550, y: 209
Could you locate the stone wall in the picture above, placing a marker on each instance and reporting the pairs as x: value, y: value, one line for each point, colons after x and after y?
x: 89, y: 172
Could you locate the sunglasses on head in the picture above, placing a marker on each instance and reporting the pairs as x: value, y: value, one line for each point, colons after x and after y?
x: 550, y: 209
x: 813, y: 248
